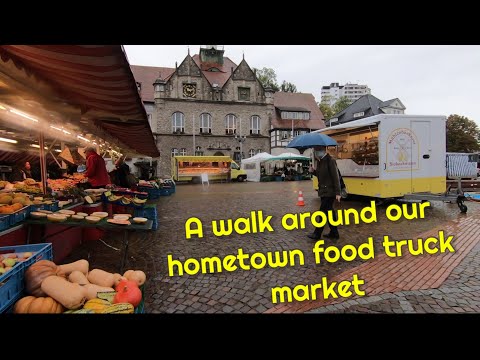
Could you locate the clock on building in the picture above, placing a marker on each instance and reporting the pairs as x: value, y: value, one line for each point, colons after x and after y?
x: 190, y: 90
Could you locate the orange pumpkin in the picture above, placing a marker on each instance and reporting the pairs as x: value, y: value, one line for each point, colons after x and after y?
x: 37, y: 305
x: 38, y: 272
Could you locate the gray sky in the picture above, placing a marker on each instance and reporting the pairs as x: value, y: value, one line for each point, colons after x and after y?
x: 428, y: 79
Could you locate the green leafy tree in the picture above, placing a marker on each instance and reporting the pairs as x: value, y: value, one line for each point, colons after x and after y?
x: 341, y: 104
x: 462, y: 134
x: 326, y: 110
x: 267, y: 77
x: 288, y: 87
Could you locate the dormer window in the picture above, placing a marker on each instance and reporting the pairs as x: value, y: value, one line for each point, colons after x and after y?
x: 359, y: 114
x: 139, y: 86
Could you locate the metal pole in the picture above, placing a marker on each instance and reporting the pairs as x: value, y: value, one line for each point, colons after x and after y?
x: 193, y: 121
x: 240, y: 139
x: 43, y: 162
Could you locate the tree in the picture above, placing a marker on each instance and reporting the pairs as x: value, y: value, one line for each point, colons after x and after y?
x: 326, y: 110
x: 267, y: 77
x: 288, y: 87
x: 462, y: 134
x: 341, y: 104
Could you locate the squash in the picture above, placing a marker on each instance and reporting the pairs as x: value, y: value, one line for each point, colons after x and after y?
x: 78, y: 277
x: 80, y: 265
x: 70, y: 295
x: 102, y: 278
x: 37, y: 305
x: 123, y: 308
x: 36, y: 273
x: 136, y: 275
x: 117, y: 278
x: 96, y: 305
x: 128, y: 292
x: 91, y: 290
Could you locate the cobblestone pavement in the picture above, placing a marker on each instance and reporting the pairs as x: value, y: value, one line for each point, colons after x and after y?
x: 448, y: 282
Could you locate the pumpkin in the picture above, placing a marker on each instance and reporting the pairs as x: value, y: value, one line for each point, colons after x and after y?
x: 80, y: 265
x: 101, y: 278
x: 37, y: 305
x: 128, y: 292
x: 38, y: 272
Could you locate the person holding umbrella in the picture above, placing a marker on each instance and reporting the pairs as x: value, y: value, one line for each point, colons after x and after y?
x: 328, y: 189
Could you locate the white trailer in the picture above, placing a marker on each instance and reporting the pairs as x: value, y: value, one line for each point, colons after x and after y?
x: 394, y: 156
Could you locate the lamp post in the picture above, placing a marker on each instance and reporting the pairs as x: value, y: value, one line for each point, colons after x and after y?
x: 241, y: 139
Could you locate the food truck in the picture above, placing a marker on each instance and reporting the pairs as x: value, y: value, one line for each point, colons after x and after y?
x: 392, y: 156
x: 191, y: 168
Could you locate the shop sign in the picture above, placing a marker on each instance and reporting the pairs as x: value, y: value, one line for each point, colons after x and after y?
x: 402, y: 150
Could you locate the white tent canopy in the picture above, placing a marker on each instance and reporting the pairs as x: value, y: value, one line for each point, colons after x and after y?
x: 252, y: 165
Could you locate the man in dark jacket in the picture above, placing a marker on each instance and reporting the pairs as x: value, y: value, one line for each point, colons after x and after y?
x: 328, y: 189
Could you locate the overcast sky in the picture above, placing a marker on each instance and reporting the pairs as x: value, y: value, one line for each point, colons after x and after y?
x: 428, y: 79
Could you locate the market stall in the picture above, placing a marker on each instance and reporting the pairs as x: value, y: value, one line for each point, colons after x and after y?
x: 253, y: 166
x: 58, y: 97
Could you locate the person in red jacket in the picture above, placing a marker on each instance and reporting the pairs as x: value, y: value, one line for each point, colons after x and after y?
x: 96, y: 172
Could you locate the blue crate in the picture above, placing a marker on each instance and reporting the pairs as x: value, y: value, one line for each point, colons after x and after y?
x: 149, y: 212
x: 4, y: 222
x: 19, y: 215
x: 12, y: 282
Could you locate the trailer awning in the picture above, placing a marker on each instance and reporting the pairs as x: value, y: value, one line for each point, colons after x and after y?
x: 96, y: 80
x: 373, y: 120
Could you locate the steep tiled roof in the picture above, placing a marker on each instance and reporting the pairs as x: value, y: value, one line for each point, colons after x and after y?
x: 369, y: 104
x: 282, y: 100
x: 216, y: 77
x: 146, y: 75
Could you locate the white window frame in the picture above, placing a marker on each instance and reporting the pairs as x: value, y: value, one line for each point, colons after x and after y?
x: 174, y: 152
x: 251, y: 152
x: 183, y: 152
x: 230, y: 124
x: 358, y: 114
x: 205, y: 123
x: 178, y: 121
x: 255, y: 124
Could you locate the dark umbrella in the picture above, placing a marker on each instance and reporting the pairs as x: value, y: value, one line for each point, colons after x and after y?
x: 306, y: 141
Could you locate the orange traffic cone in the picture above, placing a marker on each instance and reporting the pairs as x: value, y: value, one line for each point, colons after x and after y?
x: 300, y: 199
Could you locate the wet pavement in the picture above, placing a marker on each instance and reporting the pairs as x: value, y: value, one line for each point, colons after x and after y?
x: 427, y: 283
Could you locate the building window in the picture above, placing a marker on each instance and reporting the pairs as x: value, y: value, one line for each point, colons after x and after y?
x: 139, y: 86
x: 205, y: 123
x: 230, y: 124
x: 284, y: 134
x: 259, y: 151
x: 183, y: 151
x: 198, y: 151
x: 255, y: 124
x: 174, y: 152
x: 251, y: 152
x: 178, y: 122
x: 305, y: 115
x: 150, y: 117
x: 358, y: 114
x: 243, y: 93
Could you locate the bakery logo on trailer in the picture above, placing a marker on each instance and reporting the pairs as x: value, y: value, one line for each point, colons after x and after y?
x: 402, y: 150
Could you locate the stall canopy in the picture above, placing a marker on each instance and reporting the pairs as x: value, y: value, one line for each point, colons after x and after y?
x: 252, y: 165
x: 92, y: 83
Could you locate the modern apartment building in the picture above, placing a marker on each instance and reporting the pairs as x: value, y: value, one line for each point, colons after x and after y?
x: 331, y: 94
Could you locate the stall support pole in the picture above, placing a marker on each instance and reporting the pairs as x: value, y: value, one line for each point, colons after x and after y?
x: 43, y: 162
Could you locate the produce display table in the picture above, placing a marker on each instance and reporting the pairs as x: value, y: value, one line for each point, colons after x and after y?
x: 102, y: 224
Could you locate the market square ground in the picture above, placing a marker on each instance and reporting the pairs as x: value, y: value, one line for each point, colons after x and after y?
x: 447, y: 282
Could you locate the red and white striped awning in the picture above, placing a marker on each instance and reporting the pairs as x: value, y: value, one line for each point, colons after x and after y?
x: 97, y: 80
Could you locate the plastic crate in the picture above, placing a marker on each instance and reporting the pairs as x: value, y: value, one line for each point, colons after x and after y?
x: 140, y: 309
x: 12, y: 282
x: 19, y: 215
x: 4, y: 222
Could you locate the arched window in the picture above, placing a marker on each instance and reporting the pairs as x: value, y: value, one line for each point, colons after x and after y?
x: 251, y: 152
x: 198, y: 151
x: 255, y: 124
x: 205, y: 123
x: 259, y: 151
x: 230, y: 124
x: 174, y: 152
x: 178, y: 122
